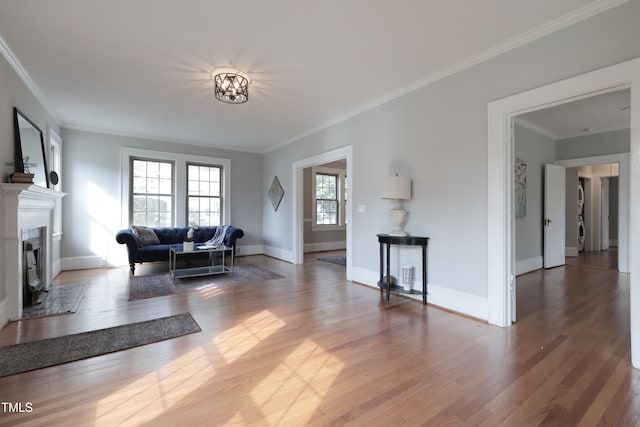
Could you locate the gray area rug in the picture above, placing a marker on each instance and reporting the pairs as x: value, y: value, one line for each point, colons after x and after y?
x: 156, y: 285
x: 60, y: 299
x: 340, y: 260
x: 24, y: 357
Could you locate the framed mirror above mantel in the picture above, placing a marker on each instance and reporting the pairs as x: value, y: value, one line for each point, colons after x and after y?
x: 29, y: 148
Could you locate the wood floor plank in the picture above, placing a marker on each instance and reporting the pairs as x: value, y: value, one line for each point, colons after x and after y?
x: 314, y: 349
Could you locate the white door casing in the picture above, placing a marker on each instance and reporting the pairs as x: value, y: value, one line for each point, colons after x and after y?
x: 625, y: 75
x: 604, y: 214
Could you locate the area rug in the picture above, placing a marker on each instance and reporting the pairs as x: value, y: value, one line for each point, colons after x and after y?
x: 60, y: 299
x: 28, y: 356
x: 156, y: 285
x: 340, y: 259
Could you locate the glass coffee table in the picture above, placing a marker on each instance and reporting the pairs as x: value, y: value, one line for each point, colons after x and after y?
x: 217, y: 253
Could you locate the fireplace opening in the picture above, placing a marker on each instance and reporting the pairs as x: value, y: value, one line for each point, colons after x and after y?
x: 32, y: 260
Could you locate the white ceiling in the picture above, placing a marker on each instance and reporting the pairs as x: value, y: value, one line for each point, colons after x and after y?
x: 596, y: 114
x: 142, y: 67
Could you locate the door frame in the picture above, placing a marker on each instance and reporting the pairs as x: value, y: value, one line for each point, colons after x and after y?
x: 624, y: 196
x: 500, y: 265
x: 298, y: 166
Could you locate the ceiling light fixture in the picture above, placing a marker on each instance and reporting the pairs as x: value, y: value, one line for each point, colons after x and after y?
x: 231, y: 86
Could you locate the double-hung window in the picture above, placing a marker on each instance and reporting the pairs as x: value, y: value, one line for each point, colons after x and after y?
x: 204, y: 195
x: 329, y: 196
x: 151, y: 192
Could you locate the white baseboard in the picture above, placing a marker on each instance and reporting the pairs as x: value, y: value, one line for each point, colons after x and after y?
x: 278, y: 253
x: 571, y: 251
x: 527, y: 265
x: 4, y: 314
x: 325, y: 246
x: 82, y: 263
x: 249, y: 250
x: 56, y: 268
x: 460, y: 302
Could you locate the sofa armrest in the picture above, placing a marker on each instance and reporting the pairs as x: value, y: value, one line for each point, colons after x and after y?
x: 126, y: 237
x: 232, y: 235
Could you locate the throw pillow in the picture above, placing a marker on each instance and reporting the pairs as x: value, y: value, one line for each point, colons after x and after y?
x: 145, y: 235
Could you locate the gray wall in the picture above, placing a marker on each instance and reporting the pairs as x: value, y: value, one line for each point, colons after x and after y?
x: 438, y: 136
x: 14, y: 93
x: 536, y: 150
x: 92, y: 175
x: 600, y: 144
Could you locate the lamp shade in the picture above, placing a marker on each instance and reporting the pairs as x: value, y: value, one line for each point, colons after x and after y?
x: 397, y: 188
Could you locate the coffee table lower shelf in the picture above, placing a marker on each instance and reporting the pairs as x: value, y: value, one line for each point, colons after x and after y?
x: 201, y: 271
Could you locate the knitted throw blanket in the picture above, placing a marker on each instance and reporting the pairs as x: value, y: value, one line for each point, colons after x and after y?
x: 218, y: 237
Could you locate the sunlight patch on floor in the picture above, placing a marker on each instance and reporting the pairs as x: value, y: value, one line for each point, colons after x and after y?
x: 153, y: 394
x: 293, y: 391
x: 236, y: 341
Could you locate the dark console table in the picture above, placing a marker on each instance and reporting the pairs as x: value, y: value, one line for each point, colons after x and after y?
x: 386, y: 240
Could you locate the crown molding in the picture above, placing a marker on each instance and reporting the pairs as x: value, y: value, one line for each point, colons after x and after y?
x: 15, y: 63
x: 557, y: 24
x: 151, y: 137
x: 535, y: 128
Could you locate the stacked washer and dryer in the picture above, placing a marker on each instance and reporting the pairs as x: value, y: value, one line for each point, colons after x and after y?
x: 581, y: 229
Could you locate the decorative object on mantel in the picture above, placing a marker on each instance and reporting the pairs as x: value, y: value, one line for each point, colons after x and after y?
x: 231, y: 86
x: 22, y: 175
x: 21, y: 178
x: 54, y: 178
x: 29, y: 151
x: 397, y: 188
x: 275, y: 193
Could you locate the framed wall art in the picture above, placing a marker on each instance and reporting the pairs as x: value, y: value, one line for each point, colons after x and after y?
x: 275, y: 193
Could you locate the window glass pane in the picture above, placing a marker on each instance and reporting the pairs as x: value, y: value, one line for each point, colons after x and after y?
x: 166, y: 171
x: 153, y: 169
x: 139, y: 185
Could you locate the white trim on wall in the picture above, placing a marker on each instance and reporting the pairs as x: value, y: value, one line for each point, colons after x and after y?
x: 527, y: 265
x: 500, y: 271
x: 440, y: 296
x: 325, y: 246
x: 298, y: 201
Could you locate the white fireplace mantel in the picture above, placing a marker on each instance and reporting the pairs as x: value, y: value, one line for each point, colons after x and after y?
x: 24, y: 206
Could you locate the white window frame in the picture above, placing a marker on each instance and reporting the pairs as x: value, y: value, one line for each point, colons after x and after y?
x: 180, y: 181
x: 222, y: 181
x: 55, y: 164
x: 132, y: 194
x: 341, y: 174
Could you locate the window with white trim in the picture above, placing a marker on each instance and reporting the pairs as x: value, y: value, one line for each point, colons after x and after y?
x: 328, y: 198
x: 204, y: 195
x: 151, y: 192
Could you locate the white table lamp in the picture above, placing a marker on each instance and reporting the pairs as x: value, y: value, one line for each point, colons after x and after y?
x: 397, y: 188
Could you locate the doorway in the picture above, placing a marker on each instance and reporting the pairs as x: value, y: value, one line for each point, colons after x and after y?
x: 500, y: 272
x: 339, y: 154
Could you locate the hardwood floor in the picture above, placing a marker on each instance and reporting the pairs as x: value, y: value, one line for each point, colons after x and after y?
x: 314, y: 349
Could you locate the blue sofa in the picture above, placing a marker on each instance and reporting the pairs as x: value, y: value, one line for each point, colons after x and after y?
x: 170, y: 237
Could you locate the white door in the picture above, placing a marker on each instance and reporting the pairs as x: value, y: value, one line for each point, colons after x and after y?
x: 604, y: 202
x: 553, y: 221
